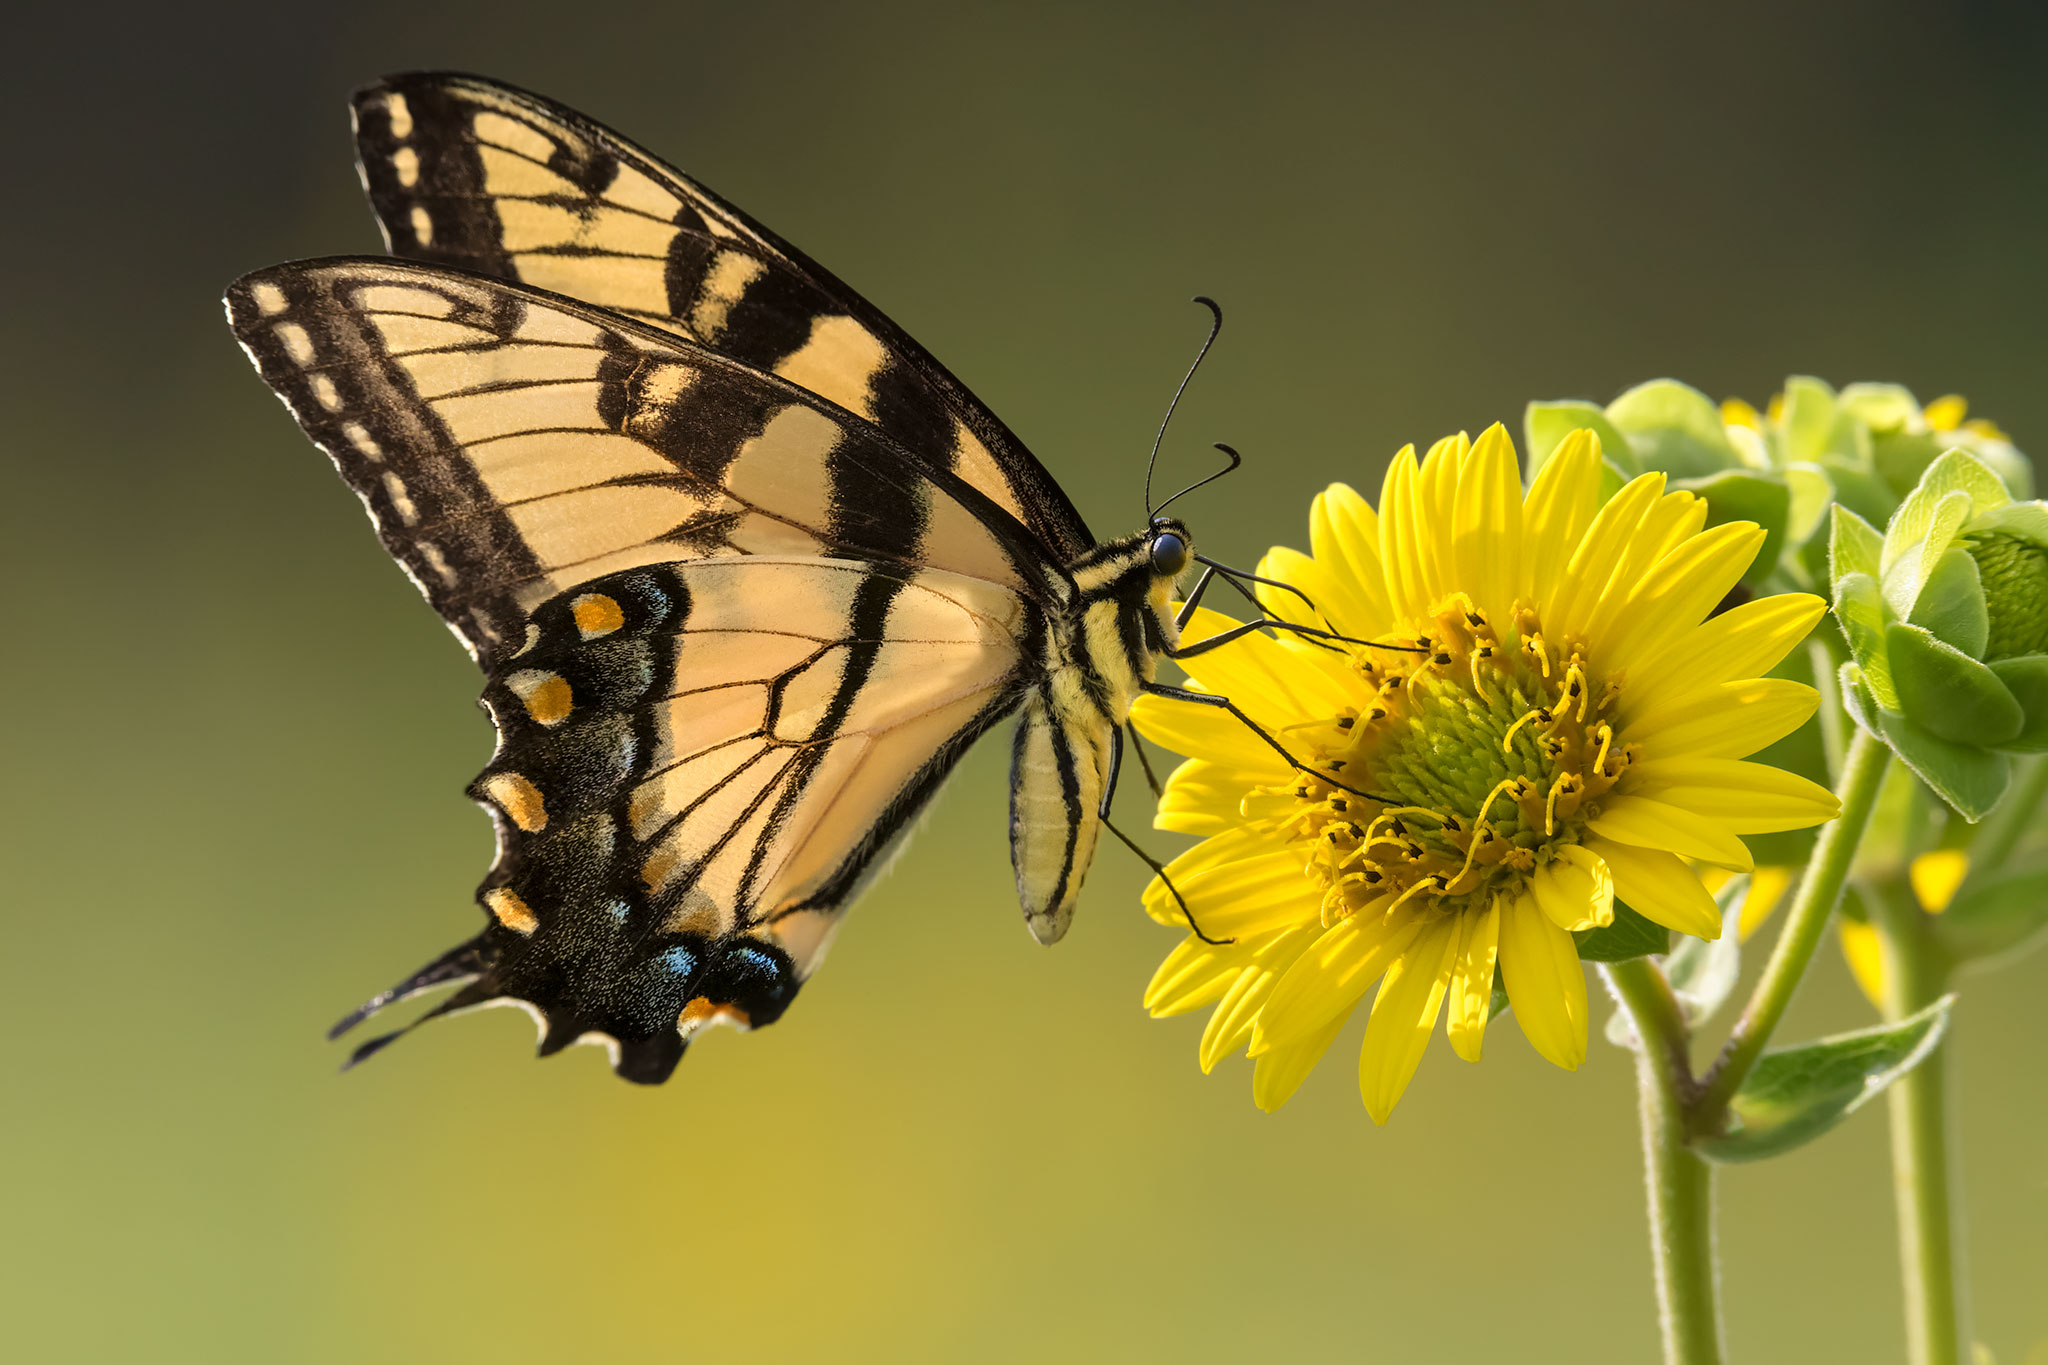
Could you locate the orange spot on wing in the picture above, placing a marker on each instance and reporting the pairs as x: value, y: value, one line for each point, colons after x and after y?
x: 511, y: 911
x: 596, y: 615
x: 704, y: 1011
x: 548, y: 701
x: 519, y: 799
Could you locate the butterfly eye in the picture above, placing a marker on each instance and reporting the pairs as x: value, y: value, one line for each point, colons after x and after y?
x: 1169, y: 554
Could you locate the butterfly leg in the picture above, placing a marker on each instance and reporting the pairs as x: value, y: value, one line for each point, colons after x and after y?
x: 1226, y: 704
x: 1145, y: 762
x: 1159, y: 871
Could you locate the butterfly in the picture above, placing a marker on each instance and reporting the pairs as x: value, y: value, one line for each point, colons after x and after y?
x: 745, y: 568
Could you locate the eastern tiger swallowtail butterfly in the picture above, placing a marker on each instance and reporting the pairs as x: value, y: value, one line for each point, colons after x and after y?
x: 746, y: 569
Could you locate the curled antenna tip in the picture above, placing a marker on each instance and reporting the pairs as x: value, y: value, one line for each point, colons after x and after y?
x: 1215, y: 327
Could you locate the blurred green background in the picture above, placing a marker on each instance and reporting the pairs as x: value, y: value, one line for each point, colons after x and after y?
x: 236, y: 740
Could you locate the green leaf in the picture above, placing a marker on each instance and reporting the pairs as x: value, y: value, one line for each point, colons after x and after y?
x: 1545, y: 425
x: 1674, y: 427
x: 1859, y: 608
x: 1999, y: 916
x: 2027, y: 679
x: 1854, y: 545
x: 1859, y: 489
x: 1952, y: 606
x: 1797, y: 1093
x: 1807, y: 420
x: 1947, y: 691
x: 1812, y: 495
x: 1881, y: 407
x: 1908, y: 563
x: 1747, y: 495
x: 1498, y: 1004
x: 1970, y: 779
x: 1629, y: 936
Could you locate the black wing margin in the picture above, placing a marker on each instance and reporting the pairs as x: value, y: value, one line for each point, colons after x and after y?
x: 469, y: 172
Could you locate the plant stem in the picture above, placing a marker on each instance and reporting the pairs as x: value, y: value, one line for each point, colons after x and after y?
x: 1863, y: 768
x: 1680, y: 1184
x: 1915, y: 975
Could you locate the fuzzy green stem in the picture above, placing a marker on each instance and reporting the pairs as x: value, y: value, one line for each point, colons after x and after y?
x: 1915, y: 975
x: 1680, y: 1184
x: 1863, y: 768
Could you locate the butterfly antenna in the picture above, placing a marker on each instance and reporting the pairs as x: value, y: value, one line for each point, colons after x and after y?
x: 1235, y: 460
x: 1214, y: 328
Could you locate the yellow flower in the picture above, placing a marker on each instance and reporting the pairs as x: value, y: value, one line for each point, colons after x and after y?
x: 1544, y: 721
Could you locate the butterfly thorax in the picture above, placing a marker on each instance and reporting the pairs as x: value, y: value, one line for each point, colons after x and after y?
x: 1117, y: 625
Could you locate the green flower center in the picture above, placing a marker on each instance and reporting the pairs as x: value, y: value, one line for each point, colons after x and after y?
x: 1470, y: 759
x: 2015, y: 576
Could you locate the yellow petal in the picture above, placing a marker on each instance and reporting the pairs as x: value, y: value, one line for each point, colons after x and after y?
x: 1935, y: 877
x: 1230, y: 1024
x: 1724, y: 720
x: 1437, y: 490
x: 1865, y: 953
x: 1671, y: 520
x: 1575, y: 890
x: 1946, y: 412
x: 1204, y: 798
x: 1585, y: 575
x: 1486, y: 525
x: 1647, y: 823
x: 1344, y: 537
x: 1658, y: 886
x: 1281, y: 1070
x: 1539, y: 965
x: 1748, y: 798
x: 1210, y: 732
x: 1193, y: 974
x: 1472, y: 982
x: 1329, y: 978
x: 1678, y: 592
x: 1238, y: 899
x: 1561, y: 504
x: 1404, y: 1015
x: 1262, y: 675
x: 1742, y: 642
x: 1400, y: 542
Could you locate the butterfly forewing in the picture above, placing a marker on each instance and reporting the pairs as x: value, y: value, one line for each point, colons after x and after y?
x: 471, y: 173
x: 510, y: 444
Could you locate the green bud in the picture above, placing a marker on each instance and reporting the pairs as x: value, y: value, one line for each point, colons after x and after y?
x: 2015, y: 576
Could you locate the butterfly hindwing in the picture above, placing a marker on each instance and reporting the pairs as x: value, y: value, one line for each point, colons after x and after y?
x: 472, y: 173
x: 511, y: 444
x: 698, y: 764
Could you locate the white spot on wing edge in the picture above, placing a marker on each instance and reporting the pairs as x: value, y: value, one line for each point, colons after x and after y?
x: 297, y: 344
x: 400, y: 113
x: 402, y: 501
x: 422, y: 226
x: 366, y: 445
x: 436, y: 561
x: 269, y: 299
x: 406, y: 162
x: 328, y: 396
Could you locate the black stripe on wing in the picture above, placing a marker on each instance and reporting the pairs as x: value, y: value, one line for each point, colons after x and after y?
x: 510, y: 443
x: 472, y: 173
